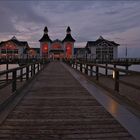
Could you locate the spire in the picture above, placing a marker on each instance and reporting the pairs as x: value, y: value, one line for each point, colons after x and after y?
x: 68, y: 30
x: 68, y: 37
x: 46, y: 30
x: 13, y: 38
x: 45, y: 37
x: 101, y: 37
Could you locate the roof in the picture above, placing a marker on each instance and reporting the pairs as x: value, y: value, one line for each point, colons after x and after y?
x: 99, y: 40
x: 46, y: 29
x: 46, y: 38
x: 68, y: 29
x: 16, y: 41
x: 68, y: 38
x: 56, y: 40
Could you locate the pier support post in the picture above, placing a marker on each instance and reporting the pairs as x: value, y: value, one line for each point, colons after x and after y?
x: 86, y: 69
x: 116, y: 88
x: 97, y: 73
x: 106, y: 71
x: 81, y: 67
x: 27, y: 73
x: 91, y: 70
x: 7, y: 67
x: 14, y: 79
x: 126, y: 68
x: 38, y: 67
x: 34, y: 69
x: 21, y: 75
x: 31, y: 70
x: 76, y: 65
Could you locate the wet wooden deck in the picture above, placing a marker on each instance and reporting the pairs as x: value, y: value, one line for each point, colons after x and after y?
x: 57, y: 107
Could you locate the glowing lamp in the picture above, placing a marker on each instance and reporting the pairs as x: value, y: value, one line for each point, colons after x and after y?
x: 45, y: 48
x: 113, y: 74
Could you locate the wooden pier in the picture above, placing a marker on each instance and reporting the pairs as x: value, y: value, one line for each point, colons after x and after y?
x: 58, y: 107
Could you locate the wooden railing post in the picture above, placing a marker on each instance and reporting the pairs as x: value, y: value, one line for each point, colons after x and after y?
x: 27, y: 73
x: 106, y: 71
x: 21, y: 75
x: 14, y: 79
x: 38, y: 67
x: 97, y: 73
x: 91, y: 70
x: 34, y: 69
x: 76, y: 65
x: 86, y: 69
x: 7, y: 67
x: 116, y: 76
x: 31, y: 70
x: 81, y: 67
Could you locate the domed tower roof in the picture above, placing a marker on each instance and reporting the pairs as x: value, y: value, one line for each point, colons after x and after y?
x: 68, y: 30
x: 68, y: 37
x: 46, y: 30
x: 45, y: 37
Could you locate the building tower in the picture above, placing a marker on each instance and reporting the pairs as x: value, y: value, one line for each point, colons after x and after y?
x: 45, y: 44
x: 68, y: 43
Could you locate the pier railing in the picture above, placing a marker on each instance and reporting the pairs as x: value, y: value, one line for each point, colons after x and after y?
x: 87, y: 68
x: 19, y: 74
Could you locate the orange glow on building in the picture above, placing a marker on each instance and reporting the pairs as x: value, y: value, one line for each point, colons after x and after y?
x: 56, y: 46
x: 32, y: 53
x: 57, y: 49
x: 9, y: 46
x: 68, y: 50
x: 45, y: 48
x: 9, y: 50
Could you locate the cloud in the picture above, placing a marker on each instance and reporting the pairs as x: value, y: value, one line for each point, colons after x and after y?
x: 87, y: 19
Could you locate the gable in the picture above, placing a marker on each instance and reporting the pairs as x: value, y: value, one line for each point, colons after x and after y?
x: 9, y: 45
x: 105, y: 44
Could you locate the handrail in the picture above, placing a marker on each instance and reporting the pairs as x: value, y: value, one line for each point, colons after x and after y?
x: 30, y: 71
x: 116, y: 71
x: 110, y: 68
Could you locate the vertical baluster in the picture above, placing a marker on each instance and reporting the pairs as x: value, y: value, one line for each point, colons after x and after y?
x: 97, y: 73
x: 38, y: 67
x: 116, y: 76
x: 14, y: 79
x: 34, y: 69
x: 27, y: 73
x: 91, y: 70
x: 21, y: 74
x: 7, y: 67
x: 106, y: 71
x: 81, y: 67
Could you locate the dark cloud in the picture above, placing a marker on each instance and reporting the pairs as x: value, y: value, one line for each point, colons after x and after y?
x: 13, y: 12
x: 88, y: 19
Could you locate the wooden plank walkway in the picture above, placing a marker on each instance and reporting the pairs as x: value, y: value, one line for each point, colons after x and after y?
x: 57, y: 107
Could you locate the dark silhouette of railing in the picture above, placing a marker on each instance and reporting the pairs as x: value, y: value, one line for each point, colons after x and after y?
x: 20, y: 61
x: 117, y: 61
x: 86, y: 67
x: 22, y: 73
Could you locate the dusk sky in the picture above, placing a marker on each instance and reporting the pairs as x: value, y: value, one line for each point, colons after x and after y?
x: 115, y: 20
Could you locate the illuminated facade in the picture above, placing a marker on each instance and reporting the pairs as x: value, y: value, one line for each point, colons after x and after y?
x: 57, y: 49
x: 13, y: 48
x: 102, y: 49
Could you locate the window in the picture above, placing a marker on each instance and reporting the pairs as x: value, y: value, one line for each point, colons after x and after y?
x: 3, y: 51
x: 15, y: 51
